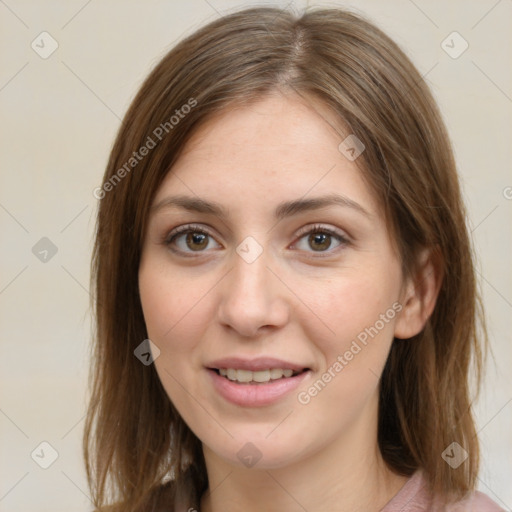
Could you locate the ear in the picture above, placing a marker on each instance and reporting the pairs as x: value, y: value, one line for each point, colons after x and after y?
x: 419, y: 294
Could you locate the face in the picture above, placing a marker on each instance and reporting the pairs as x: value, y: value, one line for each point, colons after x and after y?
x: 270, y: 285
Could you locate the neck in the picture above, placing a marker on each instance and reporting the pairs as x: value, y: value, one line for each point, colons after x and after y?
x: 348, y: 475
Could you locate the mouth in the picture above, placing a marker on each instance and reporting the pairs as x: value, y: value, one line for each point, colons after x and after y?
x: 265, y: 376
x: 256, y: 382
x: 259, y: 370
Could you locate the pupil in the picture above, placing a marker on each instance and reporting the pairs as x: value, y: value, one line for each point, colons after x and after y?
x: 196, y: 238
x: 322, y: 239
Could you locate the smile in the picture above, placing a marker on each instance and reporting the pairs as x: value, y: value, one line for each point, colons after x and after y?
x: 250, y: 392
x: 261, y: 377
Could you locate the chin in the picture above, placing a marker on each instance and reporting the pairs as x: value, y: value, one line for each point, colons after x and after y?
x: 257, y: 453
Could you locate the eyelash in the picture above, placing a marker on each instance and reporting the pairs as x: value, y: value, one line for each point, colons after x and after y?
x: 316, y: 228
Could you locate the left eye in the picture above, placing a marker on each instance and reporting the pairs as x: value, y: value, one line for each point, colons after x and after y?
x: 320, y: 239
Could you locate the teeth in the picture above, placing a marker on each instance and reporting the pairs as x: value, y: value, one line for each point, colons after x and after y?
x: 276, y: 373
x: 243, y: 375
x: 259, y: 376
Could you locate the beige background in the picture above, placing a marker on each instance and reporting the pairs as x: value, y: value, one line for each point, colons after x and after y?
x: 59, y: 116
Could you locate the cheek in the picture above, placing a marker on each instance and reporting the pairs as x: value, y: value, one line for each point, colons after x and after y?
x: 341, y: 310
x: 359, y: 310
x: 174, y: 308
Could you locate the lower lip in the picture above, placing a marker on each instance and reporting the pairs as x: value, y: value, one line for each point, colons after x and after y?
x: 255, y: 395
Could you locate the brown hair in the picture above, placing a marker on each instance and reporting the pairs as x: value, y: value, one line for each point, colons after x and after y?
x: 134, y: 438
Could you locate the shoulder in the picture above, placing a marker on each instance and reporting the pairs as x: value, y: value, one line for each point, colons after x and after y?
x: 413, y: 497
x: 476, y: 502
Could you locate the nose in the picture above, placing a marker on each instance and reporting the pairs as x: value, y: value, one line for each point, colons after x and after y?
x: 253, y: 300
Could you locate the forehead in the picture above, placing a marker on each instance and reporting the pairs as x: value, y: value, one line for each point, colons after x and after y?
x: 281, y: 147
x: 274, y: 126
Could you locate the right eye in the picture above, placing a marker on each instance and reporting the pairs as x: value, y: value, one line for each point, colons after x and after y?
x: 189, y: 239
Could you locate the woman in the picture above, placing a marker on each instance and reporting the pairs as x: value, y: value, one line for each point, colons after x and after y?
x: 286, y: 303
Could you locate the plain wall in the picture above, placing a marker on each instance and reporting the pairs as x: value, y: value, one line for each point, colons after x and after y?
x: 59, y: 117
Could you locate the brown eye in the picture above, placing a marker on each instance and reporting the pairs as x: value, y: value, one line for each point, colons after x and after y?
x: 319, y: 241
x: 196, y: 241
x: 190, y: 239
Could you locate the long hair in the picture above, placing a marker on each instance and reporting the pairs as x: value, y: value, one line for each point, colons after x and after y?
x: 134, y: 439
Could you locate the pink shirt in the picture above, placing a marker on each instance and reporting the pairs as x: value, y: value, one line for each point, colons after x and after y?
x: 412, y: 497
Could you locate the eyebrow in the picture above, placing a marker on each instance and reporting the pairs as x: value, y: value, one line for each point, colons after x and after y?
x: 283, y: 210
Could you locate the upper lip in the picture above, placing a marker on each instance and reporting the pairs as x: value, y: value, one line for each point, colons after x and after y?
x: 256, y: 364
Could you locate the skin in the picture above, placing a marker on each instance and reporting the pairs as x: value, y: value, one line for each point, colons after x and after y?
x: 293, y: 302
